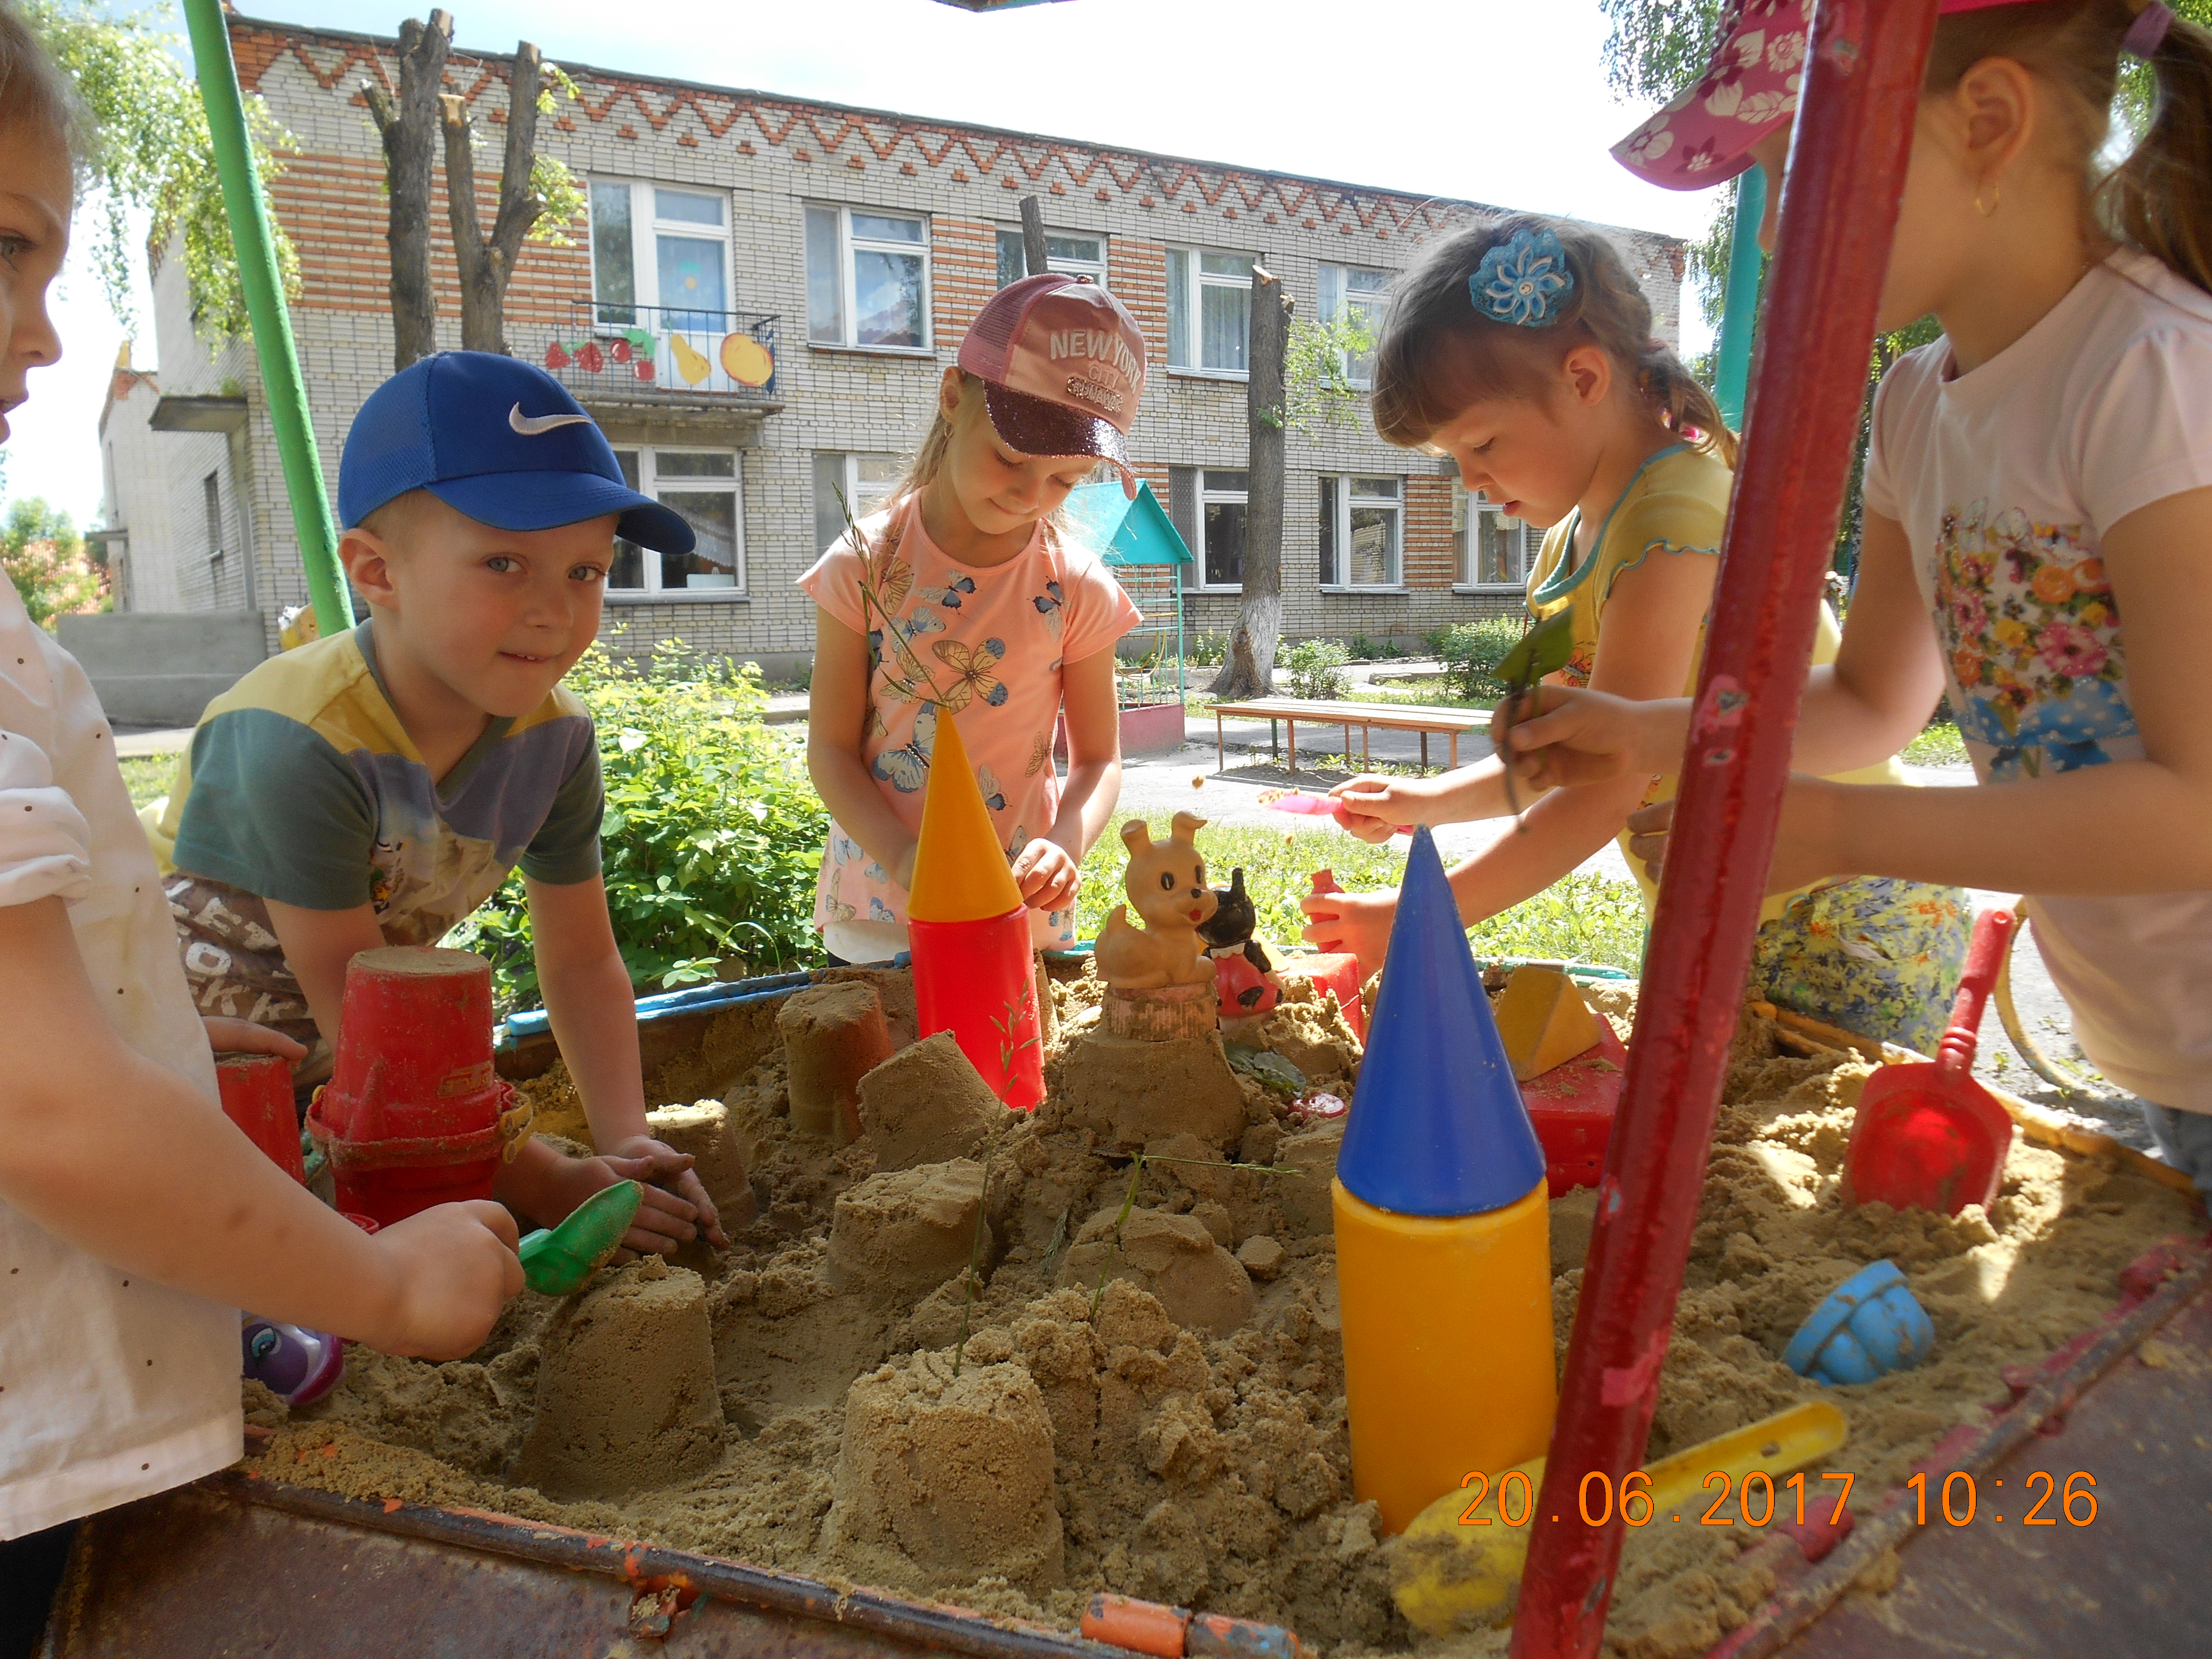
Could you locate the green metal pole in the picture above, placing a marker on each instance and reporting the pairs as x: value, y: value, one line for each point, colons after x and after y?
x: 247, y: 208
x: 1739, y: 317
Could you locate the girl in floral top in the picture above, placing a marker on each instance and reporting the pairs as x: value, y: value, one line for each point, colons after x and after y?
x: 962, y: 601
x: 2039, y: 488
x: 1523, y: 349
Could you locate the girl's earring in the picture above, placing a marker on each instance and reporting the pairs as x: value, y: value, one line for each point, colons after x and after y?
x: 1989, y: 210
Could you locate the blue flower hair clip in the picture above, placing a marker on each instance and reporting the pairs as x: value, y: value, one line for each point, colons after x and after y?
x: 1522, y: 281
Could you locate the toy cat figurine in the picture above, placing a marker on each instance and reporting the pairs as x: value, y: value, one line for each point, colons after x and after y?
x: 1166, y: 885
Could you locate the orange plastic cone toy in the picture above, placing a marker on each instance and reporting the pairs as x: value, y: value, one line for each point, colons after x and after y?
x: 970, y: 931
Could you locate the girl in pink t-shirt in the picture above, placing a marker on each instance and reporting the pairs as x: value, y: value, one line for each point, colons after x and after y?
x: 962, y: 600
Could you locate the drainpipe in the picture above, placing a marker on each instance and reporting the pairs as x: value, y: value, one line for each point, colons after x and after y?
x: 1855, y: 129
x: 1740, y: 313
x: 247, y: 210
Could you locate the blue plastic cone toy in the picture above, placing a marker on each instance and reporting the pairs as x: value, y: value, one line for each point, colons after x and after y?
x: 1443, y: 1256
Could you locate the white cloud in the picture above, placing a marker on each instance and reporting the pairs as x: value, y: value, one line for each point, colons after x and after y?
x: 1491, y: 99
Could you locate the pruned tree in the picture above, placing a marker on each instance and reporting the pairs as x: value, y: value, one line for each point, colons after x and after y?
x: 1248, y: 669
x: 410, y: 129
x: 537, y: 195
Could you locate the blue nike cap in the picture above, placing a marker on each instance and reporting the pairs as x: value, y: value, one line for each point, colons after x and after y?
x: 498, y: 440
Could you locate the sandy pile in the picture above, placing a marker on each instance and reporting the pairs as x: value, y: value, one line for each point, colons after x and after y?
x: 1149, y: 1393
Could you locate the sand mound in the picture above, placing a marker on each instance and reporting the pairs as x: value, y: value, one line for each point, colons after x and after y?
x: 1165, y: 1416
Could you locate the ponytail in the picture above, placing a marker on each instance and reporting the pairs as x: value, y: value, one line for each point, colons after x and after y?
x: 1436, y: 355
x: 2160, y: 197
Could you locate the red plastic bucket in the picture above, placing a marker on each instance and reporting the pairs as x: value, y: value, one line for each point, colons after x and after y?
x: 978, y: 980
x: 414, y: 1114
x: 257, y: 1095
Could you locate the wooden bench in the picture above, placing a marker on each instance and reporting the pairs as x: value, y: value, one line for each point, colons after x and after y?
x: 1390, y: 717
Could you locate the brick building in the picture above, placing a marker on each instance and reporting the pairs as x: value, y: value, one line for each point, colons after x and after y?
x: 858, y: 245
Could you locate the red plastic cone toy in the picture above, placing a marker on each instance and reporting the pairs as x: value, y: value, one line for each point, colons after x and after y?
x: 973, y: 971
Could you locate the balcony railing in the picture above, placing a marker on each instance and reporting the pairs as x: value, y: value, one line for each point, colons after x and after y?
x: 663, y: 354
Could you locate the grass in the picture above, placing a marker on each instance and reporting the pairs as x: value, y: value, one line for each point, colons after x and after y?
x: 147, y: 777
x: 1938, y: 745
x: 1582, y: 918
x: 1434, y: 691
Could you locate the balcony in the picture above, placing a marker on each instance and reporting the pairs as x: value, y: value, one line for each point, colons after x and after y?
x: 661, y: 359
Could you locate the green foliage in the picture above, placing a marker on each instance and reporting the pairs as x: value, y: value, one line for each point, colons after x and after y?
x: 1473, y: 653
x: 1315, y: 668
x: 1578, y: 918
x: 1938, y: 745
x: 44, y: 558
x: 150, y: 152
x: 1207, y: 650
x: 712, y: 834
x: 147, y: 777
x: 1316, y: 391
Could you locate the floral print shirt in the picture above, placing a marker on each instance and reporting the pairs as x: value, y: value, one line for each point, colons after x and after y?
x: 2006, y: 480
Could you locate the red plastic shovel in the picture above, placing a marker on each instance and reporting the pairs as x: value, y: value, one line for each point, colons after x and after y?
x: 1927, y: 1134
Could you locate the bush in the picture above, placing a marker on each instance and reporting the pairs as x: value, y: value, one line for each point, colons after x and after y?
x: 1315, y: 668
x: 44, y: 558
x: 1208, y: 650
x: 712, y: 837
x: 1472, y: 651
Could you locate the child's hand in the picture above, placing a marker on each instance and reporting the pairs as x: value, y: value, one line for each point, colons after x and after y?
x: 1801, y: 854
x: 1047, y: 875
x: 1373, y: 809
x: 452, y: 1267
x: 1357, y: 922
x: 1561, y: 736
x: 664, y: 1213
x: 227, y: 1036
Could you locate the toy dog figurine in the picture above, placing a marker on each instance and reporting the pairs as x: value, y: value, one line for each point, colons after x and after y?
x: 1240, y: 966
x: 1166, y: 885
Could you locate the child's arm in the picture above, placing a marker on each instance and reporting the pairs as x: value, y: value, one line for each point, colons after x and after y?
x: 1646, y: 644
x: 540, y: 1183
x: 123, y: 1160
x: 1048, y: 869
x: 593, y: 1010
x: 836, y: 725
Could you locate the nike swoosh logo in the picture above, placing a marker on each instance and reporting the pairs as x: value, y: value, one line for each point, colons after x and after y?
x: 531, y: 426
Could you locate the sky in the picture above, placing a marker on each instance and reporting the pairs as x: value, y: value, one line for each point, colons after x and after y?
x: 1495, y: 100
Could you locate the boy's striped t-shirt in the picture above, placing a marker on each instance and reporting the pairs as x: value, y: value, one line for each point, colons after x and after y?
x: 303, y: 786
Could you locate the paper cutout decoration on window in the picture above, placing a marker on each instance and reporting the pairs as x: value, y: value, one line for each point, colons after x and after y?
x: 689, y: 364
x: 746, y: 361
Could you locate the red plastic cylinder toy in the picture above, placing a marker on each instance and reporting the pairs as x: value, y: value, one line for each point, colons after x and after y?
x: 257, y: 1095
x: 977, y: 980
x: 414, y: 1114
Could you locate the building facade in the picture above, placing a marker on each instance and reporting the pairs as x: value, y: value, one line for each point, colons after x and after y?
x: 853, y: 249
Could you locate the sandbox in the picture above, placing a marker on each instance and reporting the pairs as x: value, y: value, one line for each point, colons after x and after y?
x: 959, y: 1378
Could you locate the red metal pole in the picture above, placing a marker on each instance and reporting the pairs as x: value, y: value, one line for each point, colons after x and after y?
x: 1853, y: 135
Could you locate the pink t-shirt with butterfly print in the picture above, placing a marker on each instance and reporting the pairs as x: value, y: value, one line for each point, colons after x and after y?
x: 993, y: 642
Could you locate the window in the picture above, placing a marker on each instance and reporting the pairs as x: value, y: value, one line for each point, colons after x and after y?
x: 864, y: 481
x: 1347, y: 291
x: 1222, y: 498
x: 1209, y: 310
x: 1071, y: 256
x: 211, y: 504
x: 703, y: 485
x: 652, y: 246
x: 1493, y: 551
x: 1361, y: 532
x: 867, y: 279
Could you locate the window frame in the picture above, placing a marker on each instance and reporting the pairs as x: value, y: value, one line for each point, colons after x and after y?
x: 848, y: 299
x: 1338, y: 489
x: 1095, y: 271
x: 1333, y: 296
x: 645, y: 273
x: 1196, y: 280
x: 850, y: 467
x: 1465, y: 513
x: 649, y: 483
x: 1194, y: 579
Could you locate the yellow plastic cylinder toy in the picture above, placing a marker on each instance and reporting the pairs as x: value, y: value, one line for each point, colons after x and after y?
x: 1443, y: 1227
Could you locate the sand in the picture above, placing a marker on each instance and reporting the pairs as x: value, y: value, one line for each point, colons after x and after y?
x: 1165, y: 1417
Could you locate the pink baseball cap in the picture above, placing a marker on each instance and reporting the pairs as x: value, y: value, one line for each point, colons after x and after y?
x: 1062, y: 364
x: 1749, y: 89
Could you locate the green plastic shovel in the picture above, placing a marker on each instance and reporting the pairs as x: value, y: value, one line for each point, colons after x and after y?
x: 557, y: 1261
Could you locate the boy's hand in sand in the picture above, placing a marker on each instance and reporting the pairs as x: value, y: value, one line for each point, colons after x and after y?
x: 451, y: 1267
x: 1375, y: 808
x: 1357, y: 922
x: 1562, y: 736
x: 1047, y: 876
x: 676, y: 1209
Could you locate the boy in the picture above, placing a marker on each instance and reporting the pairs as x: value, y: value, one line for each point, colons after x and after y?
x: 375, y: 788
x: 134, y: 1218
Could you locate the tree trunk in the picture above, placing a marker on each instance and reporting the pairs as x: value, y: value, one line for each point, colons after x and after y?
x: 488, y: 263
x: 408, y: 130
x: 1249, y: 669
x: 1033, y: 248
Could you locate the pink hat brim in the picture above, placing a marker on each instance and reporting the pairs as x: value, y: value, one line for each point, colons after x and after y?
x: 1036, y: 425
